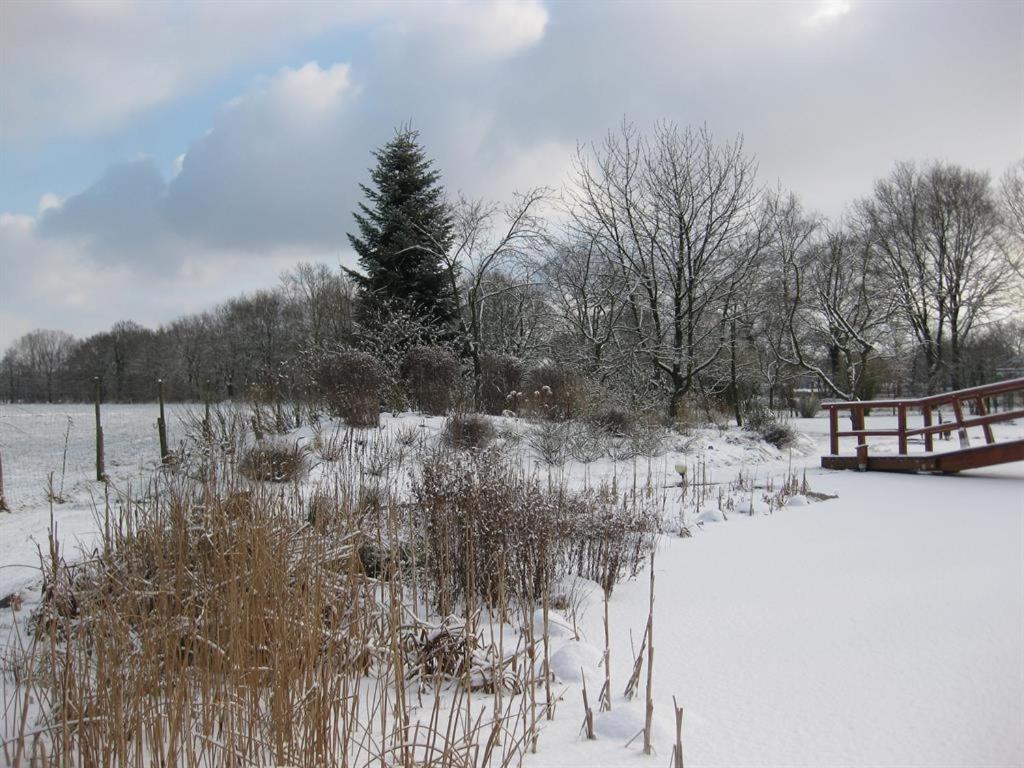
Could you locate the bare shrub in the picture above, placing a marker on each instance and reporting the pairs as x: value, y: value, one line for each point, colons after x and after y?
x: 432, y: 377
x: 587, y: 443
x: 648, y: 440
x: 502, y: 383
x: 489, y: 528
x: 613, y: 535
x: 550, y: 440
x: 351, y: 383
x: 468, y: 430
x: 275, y: 461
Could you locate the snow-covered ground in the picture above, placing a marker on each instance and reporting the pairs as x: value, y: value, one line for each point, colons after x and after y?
x: 882, y: 627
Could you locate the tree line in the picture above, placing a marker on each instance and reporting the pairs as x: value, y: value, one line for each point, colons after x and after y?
x: 665, y: 273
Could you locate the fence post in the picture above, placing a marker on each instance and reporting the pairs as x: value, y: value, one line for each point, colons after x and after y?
x: 100, y: 470
x: 161, y: 424
x: 3, y: 500
x: 207, y: 431
x: 833, y: 431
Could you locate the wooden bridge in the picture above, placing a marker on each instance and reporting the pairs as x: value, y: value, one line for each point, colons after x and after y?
x: 976, y: 399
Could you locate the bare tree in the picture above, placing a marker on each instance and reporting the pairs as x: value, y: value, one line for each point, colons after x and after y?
x: 589, y: 301
x: 1011, y: 201
x: 486, y: 240
x: 937, y: 231
x: 836, y: 313
x: 679, y: 216
x: 37, y: 358
x: 324, y: 299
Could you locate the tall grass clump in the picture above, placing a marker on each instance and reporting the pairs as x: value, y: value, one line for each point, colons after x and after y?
x: 468, y: 430
x: 275, y: 461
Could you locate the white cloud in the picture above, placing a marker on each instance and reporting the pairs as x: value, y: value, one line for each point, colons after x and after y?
x: 46, y: 202
x: 827, y: 12
x: 485, y: 29
x: 84, y: 67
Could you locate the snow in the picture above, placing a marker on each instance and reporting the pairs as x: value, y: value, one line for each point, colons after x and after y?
x: 574, y: 660
x: 881, y: 627
x: 885, y: 627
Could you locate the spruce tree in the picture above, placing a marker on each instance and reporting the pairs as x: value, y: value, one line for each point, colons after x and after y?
x: 404, y: 228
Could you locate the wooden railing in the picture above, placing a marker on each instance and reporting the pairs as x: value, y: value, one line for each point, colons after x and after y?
x: 928, y: 406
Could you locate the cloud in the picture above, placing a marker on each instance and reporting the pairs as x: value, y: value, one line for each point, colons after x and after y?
x: 118, y: 219
x: 501, y: 93
x: 54, y: 283
x: 73, y: 67
x: 271, y: 172
x: 828, y: 12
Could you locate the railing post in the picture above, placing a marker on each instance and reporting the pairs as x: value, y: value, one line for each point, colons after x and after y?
x: 929, y: 440
x: 833, y: 430
x: 986, y: 428
x: 961, y: 431
x: 901, y: 411
x: 862, y: 446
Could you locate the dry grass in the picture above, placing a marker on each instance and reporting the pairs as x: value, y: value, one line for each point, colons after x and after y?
x: 221, y: 623
x: 275, y: 461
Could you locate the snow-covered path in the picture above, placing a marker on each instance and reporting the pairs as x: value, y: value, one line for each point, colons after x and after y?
x: 883, y: 628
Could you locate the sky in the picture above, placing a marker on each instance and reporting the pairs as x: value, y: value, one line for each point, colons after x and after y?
x: 159, y: 157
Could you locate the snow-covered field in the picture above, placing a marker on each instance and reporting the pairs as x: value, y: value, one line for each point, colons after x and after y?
x: 882, y: 627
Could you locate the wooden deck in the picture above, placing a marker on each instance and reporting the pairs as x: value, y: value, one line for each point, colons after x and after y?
x: 966, y: 457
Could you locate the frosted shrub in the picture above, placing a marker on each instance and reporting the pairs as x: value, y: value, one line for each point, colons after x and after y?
x: 351, y: 383
x: 767, y: 424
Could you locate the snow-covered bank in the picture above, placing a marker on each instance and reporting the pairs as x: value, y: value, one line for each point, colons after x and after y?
x: 885, y: 627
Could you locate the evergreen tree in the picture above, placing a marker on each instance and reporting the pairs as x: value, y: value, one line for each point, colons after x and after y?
x: 404, y: 228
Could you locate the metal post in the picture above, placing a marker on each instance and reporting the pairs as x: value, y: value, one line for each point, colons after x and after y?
x: 100, y: 470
